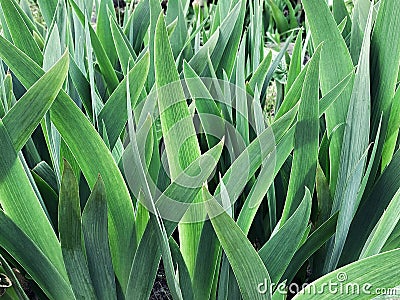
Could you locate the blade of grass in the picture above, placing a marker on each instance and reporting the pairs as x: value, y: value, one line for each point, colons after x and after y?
x: 359, y: 21
x: 390, y: 145
x: 155, y: 10
x: 257, y: 79
x: 205, y: 105
x: 294, y: 93
x: 216, y: 44
x: 340, y: 13
x: 230, y: 34
x: 184, y: 278
x: 180, y: 34
x: 242, y: 115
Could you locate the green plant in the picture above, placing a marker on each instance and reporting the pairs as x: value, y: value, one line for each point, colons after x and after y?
x: 132, y: 149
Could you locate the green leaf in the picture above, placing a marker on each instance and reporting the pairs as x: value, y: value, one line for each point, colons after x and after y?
x: 148, y: 254
x: 273, y: 68
x: 138, y: 24
x: 34, y: 261
x: 335, y: 65
x: 393, y: 129
x: 294, y: 93
x: 180, y: 34
x: 209, y: 113
x: 295, y: 62
x: 385, y: 189
x: 197, y: 61
x: 352, y: 158
x: 359, y: 21
x: 287, y: 239
x: 114, y: 114
x: 52, y: 51
x: 20, y: 33
x: 313, y: 243
x: 393, y: 241
x: 279, y: 18
x: 69, y: 120
x: 385, y: 61
x: 47, y: 8
x: 241, y: 104
x: 257, y: 193
x: 103, y: 60
x: 155, y: 11
x: 71, y: 237
x: 326, y: 101
x: 222, y: 38
x: 96, y: 103
x: 256, y: 30
x: 340, y: 14
x: 48, y: 193
x: 206, y: 262
x: 184, y: 277
x: 370, y: 273
x: 103, y: 28
x: 122, y: 45
x: 246, y: 164
x: 259, y: 74
x: 306, y: 140
x: 25, y: 115
x: 95, y: 232
x: 248, y: 267
x: 226, y: 62
x: 178, y: 130
x: 383, y: 228
x: 26, y: 15
x: 20, y: 203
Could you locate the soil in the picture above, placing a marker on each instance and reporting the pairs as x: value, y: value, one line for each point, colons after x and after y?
x: 160, y: 289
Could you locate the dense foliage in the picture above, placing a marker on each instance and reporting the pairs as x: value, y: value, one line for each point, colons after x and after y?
x: 199, y: 149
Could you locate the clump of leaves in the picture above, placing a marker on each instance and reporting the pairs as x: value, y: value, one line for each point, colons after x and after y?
x: 134, y: 142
